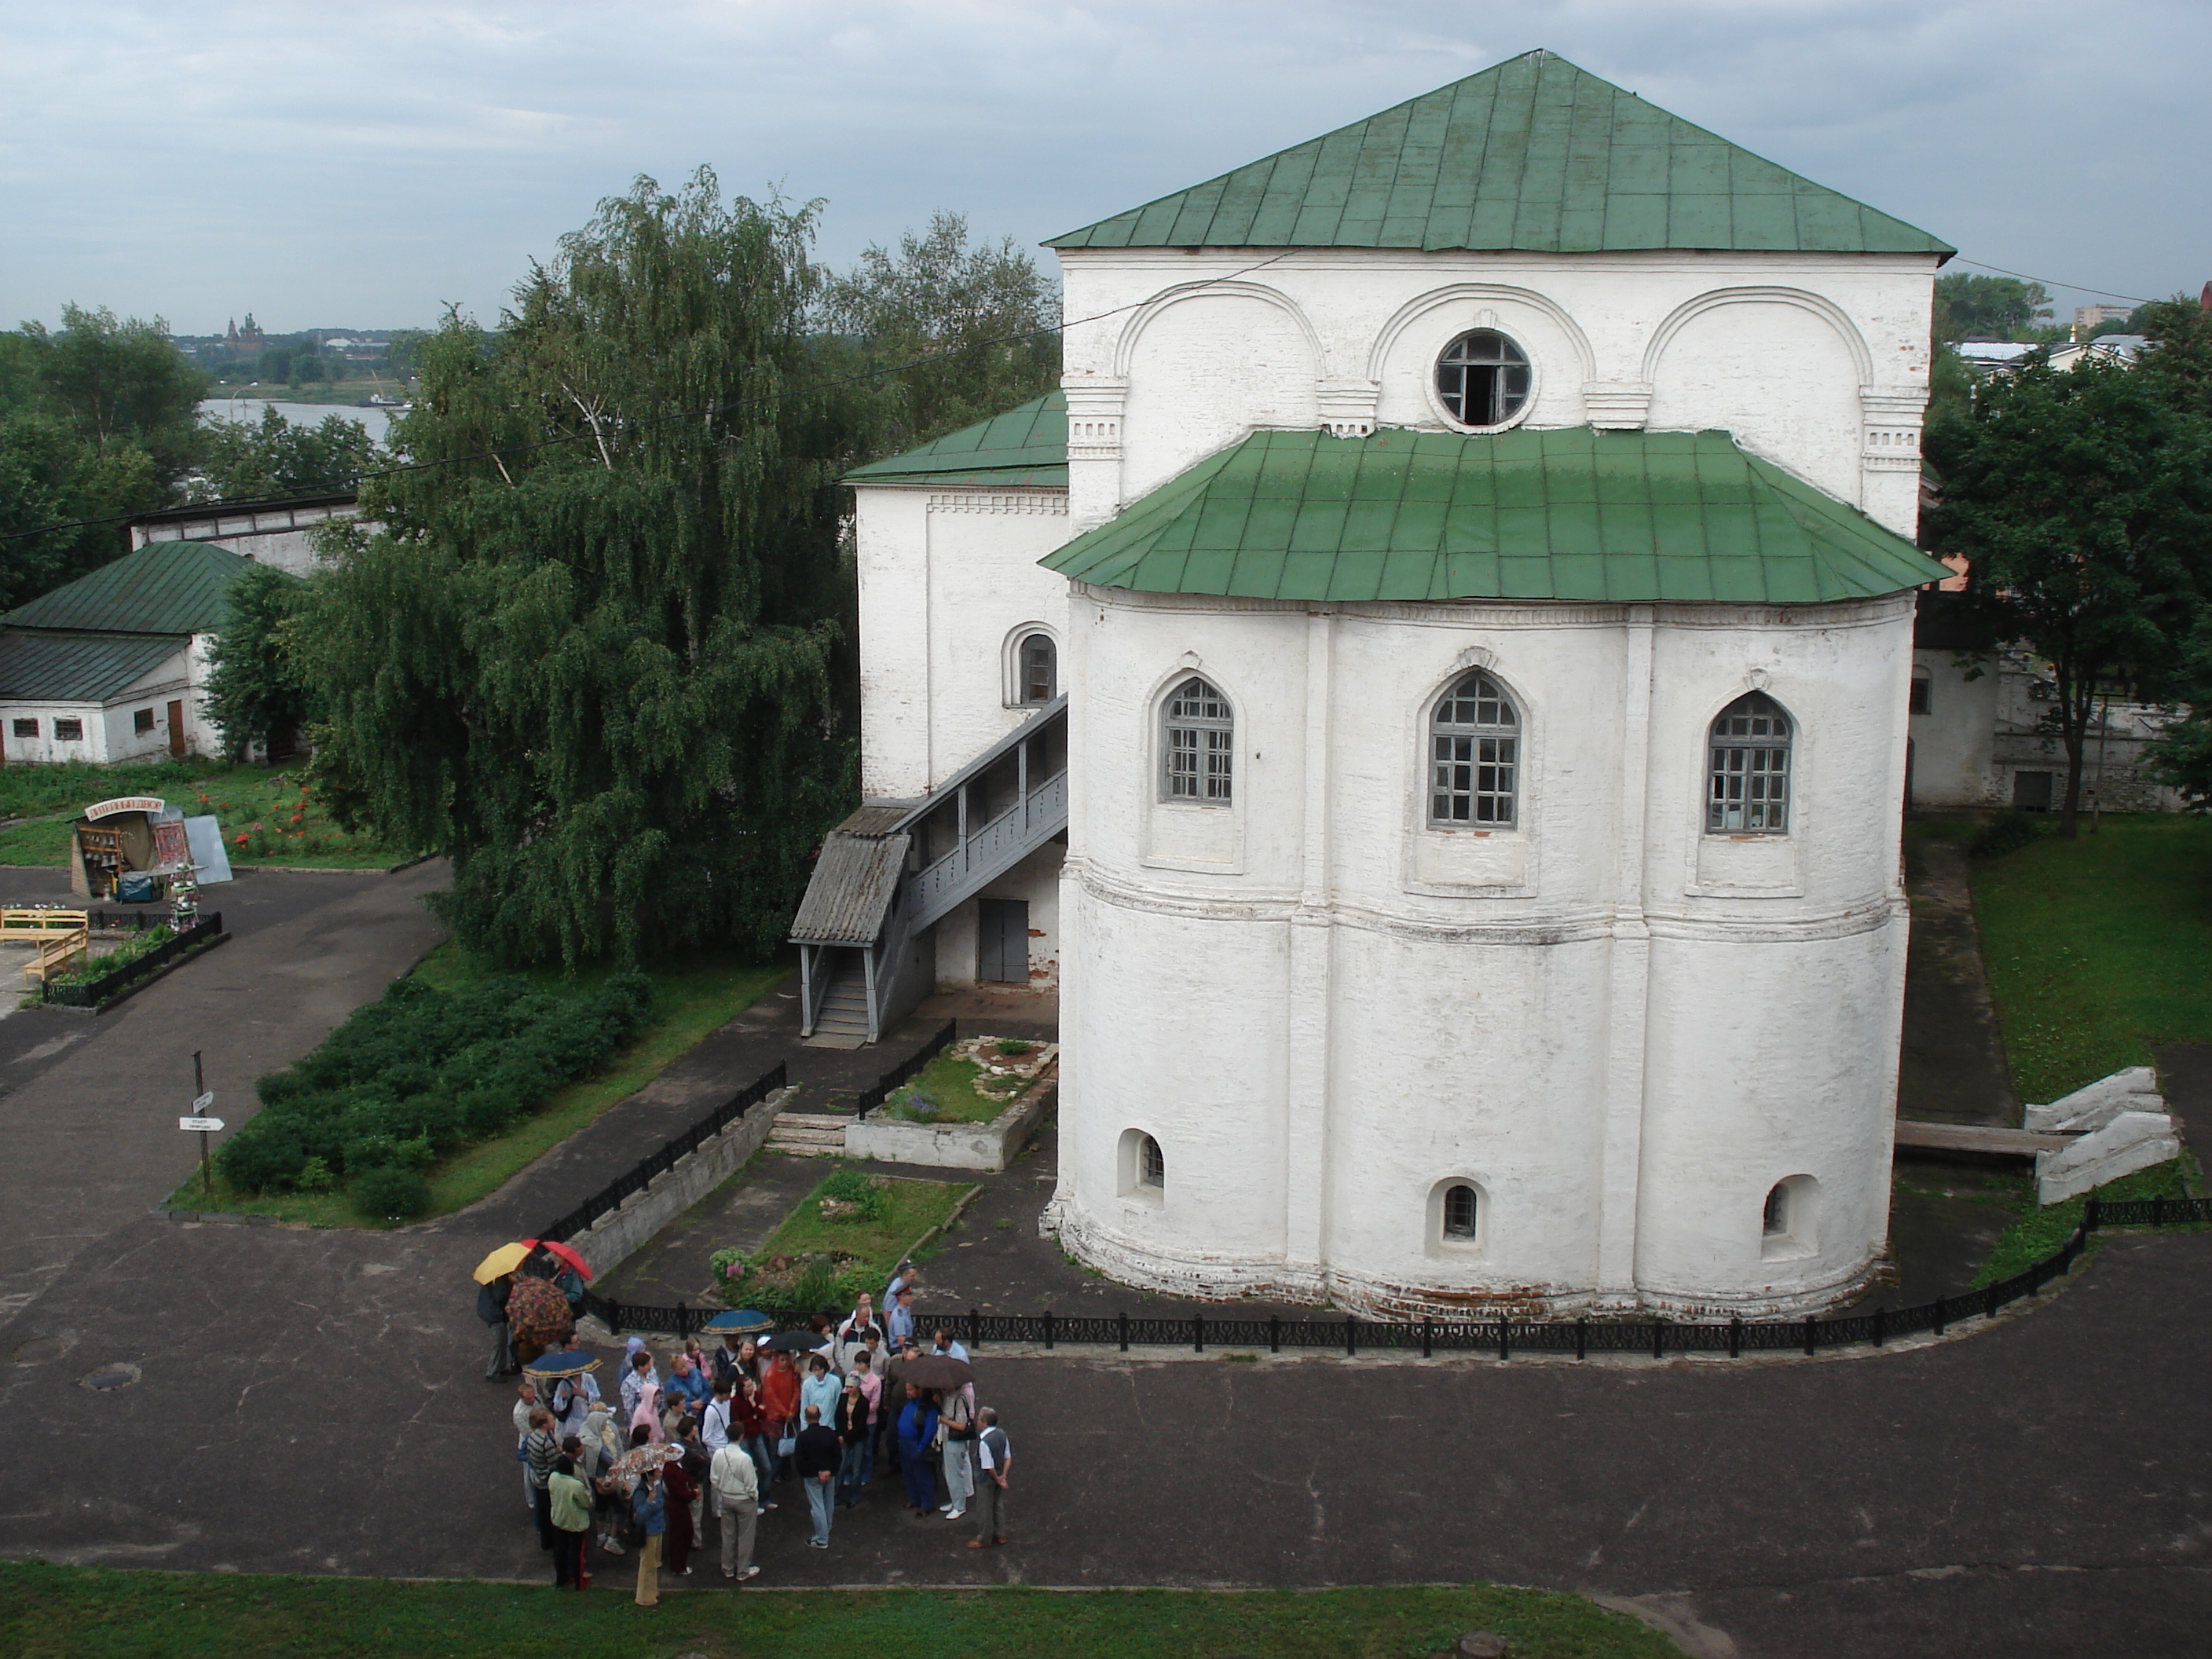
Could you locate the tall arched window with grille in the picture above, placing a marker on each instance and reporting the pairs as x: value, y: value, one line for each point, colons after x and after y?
x: 1197, y: 739
x: 1474, y: 756
x: 1038, y: 668
x: 1748, y: 791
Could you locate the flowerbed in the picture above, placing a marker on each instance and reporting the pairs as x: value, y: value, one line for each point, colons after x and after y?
x: 419, y: 1074
x: 90, y: 967
x: 843, y: 1238
x: 972, y: 1082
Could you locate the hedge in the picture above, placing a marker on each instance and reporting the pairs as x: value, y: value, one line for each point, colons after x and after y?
x: 421, y: 1073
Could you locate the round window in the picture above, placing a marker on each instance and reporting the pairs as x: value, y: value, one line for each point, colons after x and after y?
x: 1483, y: 379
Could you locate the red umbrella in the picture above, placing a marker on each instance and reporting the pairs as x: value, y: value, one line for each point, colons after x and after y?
x: 563, y: 1252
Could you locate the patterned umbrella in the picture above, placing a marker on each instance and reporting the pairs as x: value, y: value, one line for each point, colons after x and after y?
x: 537, y: 1315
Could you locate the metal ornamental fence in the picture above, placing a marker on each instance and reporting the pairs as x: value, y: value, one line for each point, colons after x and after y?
x: 872, y: 1098
x: 610, y: 1197
x: 1502, y: 1337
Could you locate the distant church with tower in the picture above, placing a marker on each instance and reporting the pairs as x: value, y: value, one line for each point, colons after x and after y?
x: 1430, y: 692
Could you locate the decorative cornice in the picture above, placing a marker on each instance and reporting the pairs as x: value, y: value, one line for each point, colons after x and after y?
x: 1009, y: 502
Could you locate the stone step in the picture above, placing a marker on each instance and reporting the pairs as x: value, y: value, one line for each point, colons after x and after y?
x: 807, y: 1137
x: 812, y: 1120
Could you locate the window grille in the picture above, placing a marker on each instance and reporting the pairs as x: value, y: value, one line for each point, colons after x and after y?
x: 1151, y: 1164
x: 1777, y: 1218
x: 141, y: 722
x: 1750, y: 792
x: 1483, y: 379
x: 1461, y: 1213
x: 1200, y: 730
x: 68, y: 730
x: 1040, y: 669
x: 26, y: 728
x: 1474, y: 754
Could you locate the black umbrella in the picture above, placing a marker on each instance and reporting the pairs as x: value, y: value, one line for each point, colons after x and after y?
x: 936, y: 1371
x: 791, y: 1342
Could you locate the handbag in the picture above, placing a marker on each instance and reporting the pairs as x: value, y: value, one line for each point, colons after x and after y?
x: 787, y: 1446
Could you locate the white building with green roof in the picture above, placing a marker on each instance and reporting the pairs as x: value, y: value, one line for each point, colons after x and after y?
x: 1431, y: 693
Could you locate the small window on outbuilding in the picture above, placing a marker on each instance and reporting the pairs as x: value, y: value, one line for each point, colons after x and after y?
x: 1918, y: 704
x: 1473, y: 756
x: 1040, y: 669
x: 141, y: 722
x: 1462, y: 1211
x: 26, y: 728
x: 1198, y: 739
x: 68, y: 730
x: 1749, y: 778
x: 1483, y: 379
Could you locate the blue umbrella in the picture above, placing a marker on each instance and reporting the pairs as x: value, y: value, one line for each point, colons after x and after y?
x: 567, y: 1362
x: 745, y: 1322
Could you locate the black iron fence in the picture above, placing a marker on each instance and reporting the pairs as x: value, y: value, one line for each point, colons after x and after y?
x: 1503, y: 1337
x: 91, y: 992
x: 906, y: 1073
x: 127, y: 922
x: 610, y: 1197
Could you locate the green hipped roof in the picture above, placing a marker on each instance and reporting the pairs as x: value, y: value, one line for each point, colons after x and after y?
x: 165, y: 587
x: 1625, y: 517
x: 79, y: 667
x: 1534, y: 154
x: 1027, y: 445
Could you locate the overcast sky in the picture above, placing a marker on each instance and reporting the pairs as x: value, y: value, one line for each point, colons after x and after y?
x: 331, y: 164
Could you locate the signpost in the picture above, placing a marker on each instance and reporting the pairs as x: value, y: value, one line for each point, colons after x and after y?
x: 203, y: 1098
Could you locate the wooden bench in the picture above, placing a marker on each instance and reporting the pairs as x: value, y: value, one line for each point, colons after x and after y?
x: 60, y: 938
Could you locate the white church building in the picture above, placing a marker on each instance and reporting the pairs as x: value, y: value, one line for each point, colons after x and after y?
x: 1431, y: 693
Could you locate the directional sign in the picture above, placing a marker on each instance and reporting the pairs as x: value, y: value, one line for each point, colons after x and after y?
x: 201, y: 1103
x: 209, y: 1125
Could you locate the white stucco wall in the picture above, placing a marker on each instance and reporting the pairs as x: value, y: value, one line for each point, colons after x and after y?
x: 1622, y: 1029
x: 949, y: 579
x: 1036, y: 881
x: 111, y: 735
x: 1952, y: 742
x: 1818, y: 362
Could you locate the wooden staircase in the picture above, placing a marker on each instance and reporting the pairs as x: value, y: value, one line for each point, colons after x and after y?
x: 809, y: 1134
x: 843, y: 1021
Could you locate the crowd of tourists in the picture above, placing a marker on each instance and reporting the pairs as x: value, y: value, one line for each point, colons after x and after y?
x: 723, y: 1432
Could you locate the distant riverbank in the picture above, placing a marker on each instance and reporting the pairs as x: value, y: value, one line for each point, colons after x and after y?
x: 378, y: 421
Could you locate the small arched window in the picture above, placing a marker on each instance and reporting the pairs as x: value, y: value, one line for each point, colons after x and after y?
x: 1789, y: 1226
x: 1474, y: 752
x: 1749, y: 793
x: 1462, y: 1213
x: 1151, y: 1164
x: 1776, y: 1221
x: 1197, y: 736
x: 1483, y: 379
x: 1038, y: 669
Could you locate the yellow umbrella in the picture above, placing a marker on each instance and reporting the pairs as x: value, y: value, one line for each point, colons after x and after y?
x: 504, y: 1259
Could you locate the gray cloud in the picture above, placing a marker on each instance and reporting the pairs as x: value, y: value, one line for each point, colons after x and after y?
x: 366, y: 164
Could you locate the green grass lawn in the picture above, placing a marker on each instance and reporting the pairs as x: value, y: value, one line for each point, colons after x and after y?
x: 960, y: 1092
x: 2099, y: 948
x: 693, y: 997
x: 866, y: 1250
x: 92, y: 1613
x: 267, y: 819
x: 2039, y: 1232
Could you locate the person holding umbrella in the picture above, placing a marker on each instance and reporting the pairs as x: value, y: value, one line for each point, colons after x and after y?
x: 491, y: 1308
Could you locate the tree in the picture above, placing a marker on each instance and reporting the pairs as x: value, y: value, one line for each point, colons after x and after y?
x: 591, y: 654
x: 242, y: 460
x: 1987, y: 308
x: 975, y: 324
x: 118, y: 383
x: 2083, y: 499
x: 255, y: 689
x: 49, y: 477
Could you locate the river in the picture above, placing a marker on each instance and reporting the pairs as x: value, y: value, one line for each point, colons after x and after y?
x: 378, y: 421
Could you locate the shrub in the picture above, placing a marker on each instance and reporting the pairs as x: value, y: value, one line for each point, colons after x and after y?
x: 389, y: 1193
x: 816, y: 1286
x: 851, y: 1187
x: 1012, y: 1046
x: 420, y: 1072
x: 314, y: 1176
x: 2008, y: 832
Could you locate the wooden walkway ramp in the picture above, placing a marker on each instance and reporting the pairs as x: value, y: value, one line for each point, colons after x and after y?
x: 1977, y: 1138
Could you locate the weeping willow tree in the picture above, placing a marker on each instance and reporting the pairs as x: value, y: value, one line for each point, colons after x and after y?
x: 594, y: 653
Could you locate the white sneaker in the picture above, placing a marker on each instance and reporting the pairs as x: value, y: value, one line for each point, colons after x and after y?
x: 612, y: 1547
x: 944, y: 1509
x: 954, y: 1514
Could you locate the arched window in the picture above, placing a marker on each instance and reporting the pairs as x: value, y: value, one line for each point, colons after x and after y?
x: 1198, y: 732
x: 1461, y: 1211
x: 1474, y: 754
x: 1038, y: 669
x: 1483, y: 379
x: 1776, y: 1221
x: 1789, y: 1226
x: 1750, y: 772
x: 1151, y: 1164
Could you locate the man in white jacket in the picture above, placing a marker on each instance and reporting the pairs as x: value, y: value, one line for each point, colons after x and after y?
x: 734, y: 1487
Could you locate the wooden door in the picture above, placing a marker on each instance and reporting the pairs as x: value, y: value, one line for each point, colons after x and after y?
x: 177, y: 729
x: 1002, y: 941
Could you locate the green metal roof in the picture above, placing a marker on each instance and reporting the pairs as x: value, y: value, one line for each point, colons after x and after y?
x: 1027, y: 445
x: 79, y: 667
x: 1532, y: 154
x: 165, y: 587
x: 1625, y: 517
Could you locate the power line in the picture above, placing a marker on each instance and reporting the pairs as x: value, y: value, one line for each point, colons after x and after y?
x: 355, y: 482
x: 2052, y: 282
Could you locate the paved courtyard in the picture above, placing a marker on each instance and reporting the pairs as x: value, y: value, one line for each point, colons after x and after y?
x: 312, y: 1401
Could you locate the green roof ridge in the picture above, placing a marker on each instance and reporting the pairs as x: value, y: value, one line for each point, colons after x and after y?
x: 163, y: 588
x: 1572, y: 514
x: 1532, y: 154
x: 1025, y: 444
